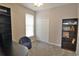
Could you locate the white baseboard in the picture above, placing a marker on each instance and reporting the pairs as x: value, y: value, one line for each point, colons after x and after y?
x: 51, y: 43
x: 54, y: 44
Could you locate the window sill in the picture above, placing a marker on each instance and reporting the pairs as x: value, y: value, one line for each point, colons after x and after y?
x: 31, y: 36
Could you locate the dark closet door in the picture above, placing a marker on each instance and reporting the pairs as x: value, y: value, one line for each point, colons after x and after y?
x: 5, y: 27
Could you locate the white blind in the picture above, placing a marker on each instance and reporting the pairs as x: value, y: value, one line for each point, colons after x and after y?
x: 29, y: 25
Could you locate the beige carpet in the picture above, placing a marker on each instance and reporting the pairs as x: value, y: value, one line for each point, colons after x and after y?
x: 44, y: 49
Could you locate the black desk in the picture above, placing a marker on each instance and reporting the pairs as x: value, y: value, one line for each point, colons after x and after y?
x: 14, y: 50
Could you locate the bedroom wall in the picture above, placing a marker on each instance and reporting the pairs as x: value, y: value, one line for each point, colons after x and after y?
x: 18, y: 19
x: 54, y: 16
x: 77, y: 49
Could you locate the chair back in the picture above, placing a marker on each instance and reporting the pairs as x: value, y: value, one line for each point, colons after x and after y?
x: 25, y: 41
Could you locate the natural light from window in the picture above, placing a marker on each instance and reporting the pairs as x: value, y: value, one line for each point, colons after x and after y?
x: 29, y: 25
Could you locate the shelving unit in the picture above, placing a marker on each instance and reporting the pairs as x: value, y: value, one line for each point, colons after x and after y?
x: 69, y: 33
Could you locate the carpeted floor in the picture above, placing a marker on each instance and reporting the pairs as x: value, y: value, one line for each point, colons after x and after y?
x: 44, y: 49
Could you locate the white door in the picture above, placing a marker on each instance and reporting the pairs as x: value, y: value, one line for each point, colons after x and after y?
x: 43, y: 29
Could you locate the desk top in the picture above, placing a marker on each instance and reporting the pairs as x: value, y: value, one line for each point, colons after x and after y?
x: 15, y: 50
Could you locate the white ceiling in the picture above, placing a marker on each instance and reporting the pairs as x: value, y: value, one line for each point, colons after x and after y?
x: 43, y: 7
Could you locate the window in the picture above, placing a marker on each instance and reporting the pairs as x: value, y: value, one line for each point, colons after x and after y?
x: 29, y: 25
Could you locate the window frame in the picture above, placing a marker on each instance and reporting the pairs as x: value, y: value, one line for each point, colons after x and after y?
x: 33, y: 25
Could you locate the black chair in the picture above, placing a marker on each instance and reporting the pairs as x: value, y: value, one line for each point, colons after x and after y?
x: 26, y: 42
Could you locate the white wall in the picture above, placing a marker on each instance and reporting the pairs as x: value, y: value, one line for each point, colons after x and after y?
x: 77, y: 49
x: 54, y: 16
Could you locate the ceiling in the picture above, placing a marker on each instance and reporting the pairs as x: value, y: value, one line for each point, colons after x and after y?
x: 42, y: 7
